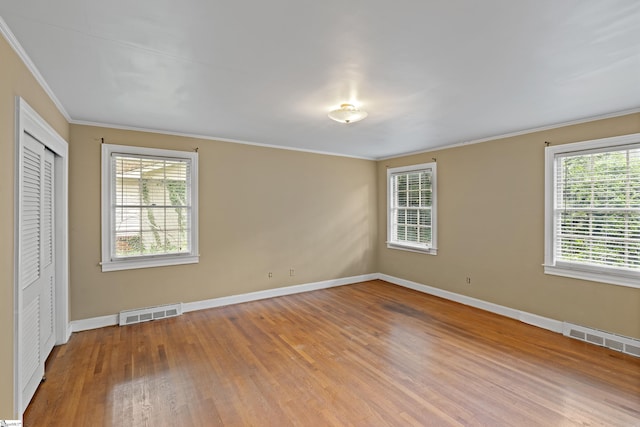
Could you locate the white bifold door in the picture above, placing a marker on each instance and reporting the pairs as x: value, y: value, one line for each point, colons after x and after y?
x: 37, y: 263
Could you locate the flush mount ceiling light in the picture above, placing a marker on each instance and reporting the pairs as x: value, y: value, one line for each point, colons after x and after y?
x: 347, y: 113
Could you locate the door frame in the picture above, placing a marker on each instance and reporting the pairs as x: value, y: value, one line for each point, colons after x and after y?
x: 29, y: 121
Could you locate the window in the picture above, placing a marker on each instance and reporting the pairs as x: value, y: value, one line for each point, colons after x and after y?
x: 592, y: 221
x: 411, y: 217
x: 149, y: 207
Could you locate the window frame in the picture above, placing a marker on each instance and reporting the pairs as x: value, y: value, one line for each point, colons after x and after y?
x: 110, y: 263
x: 610, y: 275
x: 395, y: 244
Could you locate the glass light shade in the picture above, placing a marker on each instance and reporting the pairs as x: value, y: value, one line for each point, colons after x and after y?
x: 347, y: 113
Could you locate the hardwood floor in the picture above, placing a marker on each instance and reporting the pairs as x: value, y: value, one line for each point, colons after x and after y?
x: 369, y: 354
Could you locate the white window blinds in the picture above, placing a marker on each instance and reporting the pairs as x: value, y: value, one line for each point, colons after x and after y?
x: 411, y: 207
x: 150, y: 215
x: 151, y: 206
x: 597, y: 208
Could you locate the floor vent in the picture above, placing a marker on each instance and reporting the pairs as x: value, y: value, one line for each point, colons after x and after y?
x: 129, y: 317
x: 605, y: 339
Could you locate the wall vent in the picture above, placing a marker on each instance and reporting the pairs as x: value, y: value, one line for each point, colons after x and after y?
x: 616, y: 342
x: 129, y: 317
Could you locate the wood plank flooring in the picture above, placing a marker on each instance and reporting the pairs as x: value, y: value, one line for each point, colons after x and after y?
x: 369, y: 354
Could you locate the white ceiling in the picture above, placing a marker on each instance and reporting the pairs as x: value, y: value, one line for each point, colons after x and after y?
x: 429, y: 73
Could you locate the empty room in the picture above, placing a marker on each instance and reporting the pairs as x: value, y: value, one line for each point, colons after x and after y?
x: 320, y: 213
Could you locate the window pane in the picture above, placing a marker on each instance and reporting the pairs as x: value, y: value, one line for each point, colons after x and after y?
x: 402, y: 182
x: 425, y: 198
x: 425, y: 235
x: 153, y: 242
x: 412, y: 234
x: 153, y: 229
x: 402, y: 199
x: 425, y: 217
x: 176, y: 221
x: 402, y: 232
x: 575, y: 223
x: 177, y: 192
x: 413, y: 181
x: 412, y: 217
x: 128, y: 244
x: 633, y: 223
x: 151, y: 204
x: 149, y: 207
x: 633, y: 252
x: 127, y: 219
x: 402, y: 216
x: 596, y: 194
x: 152, y: 192
x: 573, y: 249
x: 414, y: 198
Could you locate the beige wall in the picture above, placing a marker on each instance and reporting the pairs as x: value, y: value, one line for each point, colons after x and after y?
x: 261, y: 210
x: 15, y: 80
x: 491, y: 228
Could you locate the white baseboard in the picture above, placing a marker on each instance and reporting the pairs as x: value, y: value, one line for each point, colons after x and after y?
x: 112, y: 319
x: 277, y: 292
x: 541, y: 322
x: 94, y: 323
x: 523, y: 316
x: 630, y: 345
x: 616, y: 342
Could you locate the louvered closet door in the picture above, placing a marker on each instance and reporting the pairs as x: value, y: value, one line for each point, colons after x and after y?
x: 47, y: 308
x: 37, y: 272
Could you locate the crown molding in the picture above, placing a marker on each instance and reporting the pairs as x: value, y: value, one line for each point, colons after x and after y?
x: 17, y: 47
x: 213, y: 138
x: 518, y: 133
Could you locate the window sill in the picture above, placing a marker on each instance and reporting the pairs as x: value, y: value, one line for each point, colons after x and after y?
x: 410, y: 248
x: 131, y: 264
x: 602, y: 277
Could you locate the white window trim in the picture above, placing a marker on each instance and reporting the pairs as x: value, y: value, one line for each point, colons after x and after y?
x: 551, y: 266
x: 433, y: 250
x: 145, y: 261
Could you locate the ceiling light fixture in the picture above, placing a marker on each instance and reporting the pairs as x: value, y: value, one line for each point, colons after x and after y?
x: 347, y: 113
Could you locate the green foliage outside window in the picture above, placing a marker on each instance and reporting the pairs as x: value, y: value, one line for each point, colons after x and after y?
x: 598, y: 207
x: 152, y: 213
